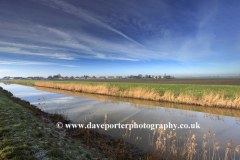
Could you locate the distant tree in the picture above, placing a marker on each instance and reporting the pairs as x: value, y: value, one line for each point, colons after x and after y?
x: 146, y: 76
x: 66, y: 77
x: 71, y: 77
x: 149, y: 76
x: 50, y: 77
x: 140, y: 76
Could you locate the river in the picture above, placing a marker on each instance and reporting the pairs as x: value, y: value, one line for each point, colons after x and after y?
x: 97, y: 109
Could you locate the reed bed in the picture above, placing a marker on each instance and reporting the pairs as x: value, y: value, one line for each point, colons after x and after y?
x: 168, y: 144
x: 213, y: 113
x: 184, y: 146
x: 164, y: 144
x: 208, y: 99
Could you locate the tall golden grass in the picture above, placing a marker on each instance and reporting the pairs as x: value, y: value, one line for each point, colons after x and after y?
x: 184, y: 147
x: 186, y: 110
x: 211, y: 99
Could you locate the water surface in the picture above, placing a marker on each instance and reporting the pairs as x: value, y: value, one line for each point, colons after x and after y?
x: 84, y: 107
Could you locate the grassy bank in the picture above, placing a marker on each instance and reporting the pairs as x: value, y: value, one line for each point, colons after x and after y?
x: 25, y: 136
x: 204, y: 95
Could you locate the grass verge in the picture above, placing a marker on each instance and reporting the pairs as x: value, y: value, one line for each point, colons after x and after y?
x: 28, y: 133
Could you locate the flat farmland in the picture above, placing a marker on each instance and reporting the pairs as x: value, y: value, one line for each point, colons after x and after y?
x: 198, y: 81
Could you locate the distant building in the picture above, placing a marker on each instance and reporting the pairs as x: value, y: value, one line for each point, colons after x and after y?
x: 118, y: 77
x: 88, y: 77
x: 102, y: 77
x: 110, y: 77
x: 82, y: 77
x: 77, y: 77
x: 93, y: 77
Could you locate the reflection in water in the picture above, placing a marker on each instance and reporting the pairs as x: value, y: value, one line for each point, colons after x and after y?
x: 186, y: 110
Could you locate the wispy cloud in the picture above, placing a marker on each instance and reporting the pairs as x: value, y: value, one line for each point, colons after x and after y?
x: 22, y: 51
x: 26, y: 63
x: 6, y: 70
x: 32, y: 63
x: 69, y: 66
x: 68, y: 8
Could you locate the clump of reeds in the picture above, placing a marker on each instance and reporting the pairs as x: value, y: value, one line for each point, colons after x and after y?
x: 187, y: 150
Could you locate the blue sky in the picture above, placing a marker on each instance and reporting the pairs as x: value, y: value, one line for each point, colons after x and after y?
x: 119, y: 38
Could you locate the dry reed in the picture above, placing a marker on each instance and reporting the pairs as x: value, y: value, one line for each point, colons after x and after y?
x: 211, y: 99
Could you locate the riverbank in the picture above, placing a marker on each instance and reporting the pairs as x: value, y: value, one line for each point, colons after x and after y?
x: 218, y: 113
x: 26, y: 132
x: 223, y: 96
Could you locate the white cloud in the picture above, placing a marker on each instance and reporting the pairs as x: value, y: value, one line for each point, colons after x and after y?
x: 15, y: 50
x: 69, y: 66
x: 26, y: 63
x: 33, y: 63
x: 86, y: 16
x: 6, y: 70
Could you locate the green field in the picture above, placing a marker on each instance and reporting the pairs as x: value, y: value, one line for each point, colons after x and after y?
x: 197, y: 91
